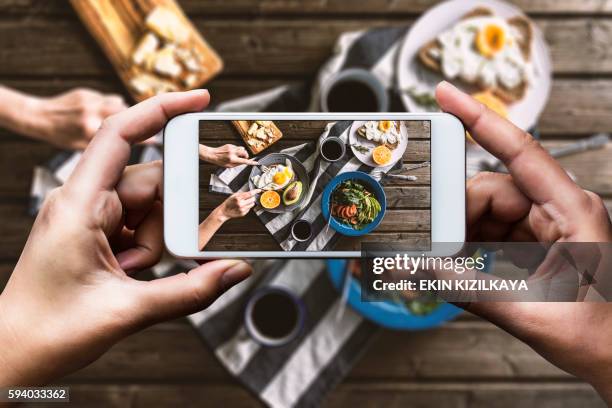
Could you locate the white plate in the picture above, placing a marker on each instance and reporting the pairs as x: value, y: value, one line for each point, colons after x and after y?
x: 366, y: 158
x: 412, y: 74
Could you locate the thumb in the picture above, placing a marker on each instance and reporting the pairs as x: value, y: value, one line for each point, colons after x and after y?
x: 187, y: 293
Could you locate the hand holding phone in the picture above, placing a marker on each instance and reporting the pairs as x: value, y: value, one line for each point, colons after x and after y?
x: 73, y: 281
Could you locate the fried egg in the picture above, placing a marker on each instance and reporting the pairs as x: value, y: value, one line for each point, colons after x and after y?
x: 382, y: 132
x: 484, y: 50
x: 275, y: 176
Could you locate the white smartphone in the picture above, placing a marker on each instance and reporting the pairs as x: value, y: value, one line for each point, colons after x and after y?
x: 323, y: 185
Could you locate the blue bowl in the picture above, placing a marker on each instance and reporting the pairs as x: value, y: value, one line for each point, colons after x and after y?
x: 372, y: 185
x: 386, y: 313
x: 390, y: 314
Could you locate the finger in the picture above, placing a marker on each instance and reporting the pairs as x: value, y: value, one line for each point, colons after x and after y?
x: 122, y: 239
x: 241, y: 152
x: 492, y: 230
x: 113, y: 104
x: 104, y: 159
x: 190, y: 292
x: 246, y: 207
x: 135, y: 217
x: 79, y: 144
x: 241, y: 160
x: 150, y: 141
x: 91, y: 125
x: 495, y: 195
x: 526, y: 160
x: 249, y: 202
x: 140, y: 186
x: 122, y: 242
x: 139, y: 190
x: 522, y: 232
x: 148, y: 242
x: 252, y: 193
x: 249, y: 194
x: 149, y: 117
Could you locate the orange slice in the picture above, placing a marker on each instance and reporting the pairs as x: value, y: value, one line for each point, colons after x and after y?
x: 490, y: 40
x: 270, y: 199
x: 381, y: 155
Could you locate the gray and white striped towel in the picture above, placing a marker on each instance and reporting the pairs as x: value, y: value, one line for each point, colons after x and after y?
x: 302, y: 372
x: 324, y: 238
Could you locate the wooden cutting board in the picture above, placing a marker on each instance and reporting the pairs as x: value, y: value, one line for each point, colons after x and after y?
x: 254, y: 144
x: 118, y: 26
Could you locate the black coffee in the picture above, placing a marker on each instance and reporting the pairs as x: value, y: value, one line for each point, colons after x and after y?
x: 331, y: 149
x: 351, y: 96
x: 302, y: 230
x: 275, y: 315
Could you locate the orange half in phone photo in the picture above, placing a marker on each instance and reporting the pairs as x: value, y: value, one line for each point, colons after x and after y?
x: 381, y: 155
x: 270, y: 199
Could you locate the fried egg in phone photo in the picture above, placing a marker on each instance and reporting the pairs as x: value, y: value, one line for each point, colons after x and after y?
x: 274, y: 177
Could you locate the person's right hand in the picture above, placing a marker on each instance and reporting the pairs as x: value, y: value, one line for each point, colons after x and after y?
x: 237, y: 205
x: 71, y: 119
x: 537, y: 201
x: 228, y: 155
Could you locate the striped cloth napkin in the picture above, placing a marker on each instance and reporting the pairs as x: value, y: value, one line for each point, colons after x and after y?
x: 228, y: 181
x: 301, y: 372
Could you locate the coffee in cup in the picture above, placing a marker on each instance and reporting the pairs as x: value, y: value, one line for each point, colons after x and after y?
x: 332, y: 149
x: 354, y: 90
x: 274, y: 316
x: 301, y: 230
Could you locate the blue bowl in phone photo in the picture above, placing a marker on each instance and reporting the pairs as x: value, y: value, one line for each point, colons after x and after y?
x: 371, y: 184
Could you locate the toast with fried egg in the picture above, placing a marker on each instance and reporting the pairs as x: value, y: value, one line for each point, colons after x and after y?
x: 517, y: 30
x: 382, y: 133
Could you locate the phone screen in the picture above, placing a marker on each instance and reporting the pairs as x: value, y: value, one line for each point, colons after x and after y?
x: 314, y: 185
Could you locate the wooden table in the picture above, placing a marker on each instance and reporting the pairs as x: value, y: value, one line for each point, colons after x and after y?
x: 407, y: 219
x: 44, y: 49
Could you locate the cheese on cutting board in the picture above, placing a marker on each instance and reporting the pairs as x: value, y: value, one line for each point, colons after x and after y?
x: 153, y: 47
x: 166, y: 24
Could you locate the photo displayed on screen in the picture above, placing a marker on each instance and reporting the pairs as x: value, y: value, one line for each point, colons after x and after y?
x: 314, y: 185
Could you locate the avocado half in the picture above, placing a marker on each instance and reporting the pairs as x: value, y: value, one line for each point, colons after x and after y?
x: 292, y: 193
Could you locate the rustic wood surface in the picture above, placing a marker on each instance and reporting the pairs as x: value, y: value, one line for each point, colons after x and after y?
x: 44, y: 49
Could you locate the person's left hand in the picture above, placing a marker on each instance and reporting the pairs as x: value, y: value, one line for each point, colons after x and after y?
x: 237, y: 205
x: 225, y: 156
x: 71, y: 295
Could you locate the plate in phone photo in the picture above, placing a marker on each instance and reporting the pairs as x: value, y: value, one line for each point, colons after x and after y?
x: 298, y: 173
